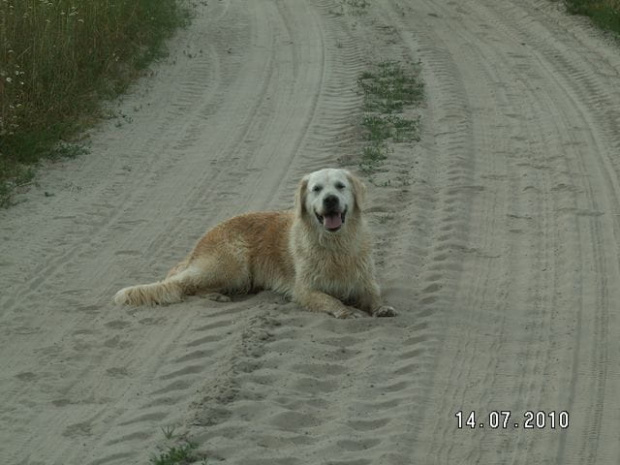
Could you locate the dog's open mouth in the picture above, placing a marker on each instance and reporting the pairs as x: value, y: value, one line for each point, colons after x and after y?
x: 332, y: 221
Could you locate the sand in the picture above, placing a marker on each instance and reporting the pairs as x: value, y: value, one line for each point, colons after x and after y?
x: 496, y: 239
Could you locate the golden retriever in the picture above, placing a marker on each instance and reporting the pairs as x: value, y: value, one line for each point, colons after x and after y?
x: 318, y: 254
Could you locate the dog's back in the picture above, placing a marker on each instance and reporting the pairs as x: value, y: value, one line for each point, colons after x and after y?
x: 245, y: 253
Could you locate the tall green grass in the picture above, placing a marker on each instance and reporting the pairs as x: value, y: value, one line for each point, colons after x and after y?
x: 604, y: 13
x: 59, y: 59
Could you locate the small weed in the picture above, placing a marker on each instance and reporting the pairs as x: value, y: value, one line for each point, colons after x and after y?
x: 398, y: 128
x: 359, y: 6
x: 168, y: 430
x: 358, y: 3
x: 5, y: 194
x: 20, y: 176
x: 390, y: 88
x: 67, y: 150
x: 356, y: 7
x: 374, y: 153
x: 183, y: 454
x: 377, y: 128
x: 405, y: 130
x: 372, y: 156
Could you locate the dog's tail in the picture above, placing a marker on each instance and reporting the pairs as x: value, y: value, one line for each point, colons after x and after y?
x: 169, y: 291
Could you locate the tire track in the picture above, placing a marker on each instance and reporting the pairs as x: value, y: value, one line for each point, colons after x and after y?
x: 495, y: 238
x: 74, y: 256
x: 545, y: 200
x: 109, y: 427
x: 291, y: 411
x: 581, y: 88
x: 289, y: 380
x: 97, y: 219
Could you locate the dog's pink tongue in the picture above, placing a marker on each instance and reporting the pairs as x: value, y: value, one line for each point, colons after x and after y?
x: 332, y: 221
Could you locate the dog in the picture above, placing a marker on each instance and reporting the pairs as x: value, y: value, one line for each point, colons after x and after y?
x: 318, y: 254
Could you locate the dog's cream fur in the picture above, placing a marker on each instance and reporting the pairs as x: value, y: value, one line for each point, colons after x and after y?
x: 318, y: 254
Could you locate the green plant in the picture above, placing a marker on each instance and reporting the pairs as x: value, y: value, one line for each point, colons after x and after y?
x: 182, y: 454
x: 405, y: 130
x: 387, y: 90
x: 604, y: 13
x: 60, y: 58
x: 358, y: 3
x: 377, y: 128
x: 390, y: 88
x: 372, y: 156
x: 358, y: 6
x: 168, y: 431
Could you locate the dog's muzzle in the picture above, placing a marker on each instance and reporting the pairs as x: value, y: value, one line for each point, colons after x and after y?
x: 332, y: 217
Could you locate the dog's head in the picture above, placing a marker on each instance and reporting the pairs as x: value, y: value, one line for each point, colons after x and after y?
x: 328, y: 198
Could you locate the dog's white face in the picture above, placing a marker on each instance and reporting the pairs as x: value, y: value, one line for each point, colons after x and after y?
x: 329, y: 197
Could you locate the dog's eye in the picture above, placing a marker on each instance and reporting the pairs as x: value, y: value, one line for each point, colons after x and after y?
x: 340, y: 186
x: 317, y: 188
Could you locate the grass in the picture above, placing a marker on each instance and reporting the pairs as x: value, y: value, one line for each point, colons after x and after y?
x: 604, y: 13
x: 168, y: 431
x: 372, y: 156
x: 398, y: 128
x: 358, y: 3
x: 183, y: 454
x: 389, y: 89
x: 355, y: 7
x: 58, y: 60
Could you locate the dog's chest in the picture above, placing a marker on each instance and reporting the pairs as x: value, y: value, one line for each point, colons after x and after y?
x: 337, y: 274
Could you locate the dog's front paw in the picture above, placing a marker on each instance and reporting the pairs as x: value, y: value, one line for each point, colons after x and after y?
x: 384, y: 311
x: 346, y: 313
x: 218, y: 297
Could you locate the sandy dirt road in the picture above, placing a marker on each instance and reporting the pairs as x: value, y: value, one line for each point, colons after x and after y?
x: 496, y: 239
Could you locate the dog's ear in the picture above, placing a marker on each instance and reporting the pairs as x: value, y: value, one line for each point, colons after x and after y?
x: 359, y: 190
x: 300, y: 197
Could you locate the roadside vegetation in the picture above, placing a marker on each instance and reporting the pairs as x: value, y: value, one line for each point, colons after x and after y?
x: 355, y: 7
x: 390, y: 89
x: 182, y: 454
x: 58, y: 60
x: 178, y: 451
x: 604, y: 13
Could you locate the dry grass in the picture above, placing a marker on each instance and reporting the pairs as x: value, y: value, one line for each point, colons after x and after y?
x: 59, y: 58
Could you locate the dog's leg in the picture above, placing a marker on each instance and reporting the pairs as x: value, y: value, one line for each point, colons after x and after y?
x: 370, y: 301
x: 178, y: 268
x: 317, y: 301
x: 170, y: 290
x: 187, y: 278
x: 161, y: 293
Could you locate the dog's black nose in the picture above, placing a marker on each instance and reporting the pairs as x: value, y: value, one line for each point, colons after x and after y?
x: 330, y: 202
